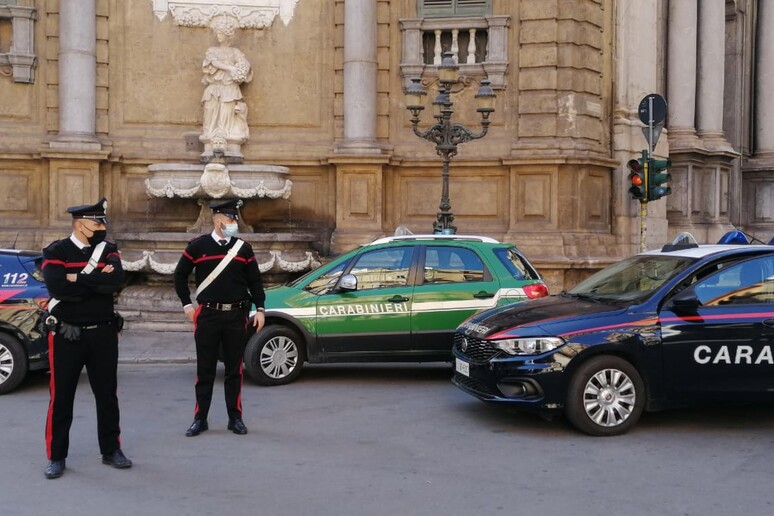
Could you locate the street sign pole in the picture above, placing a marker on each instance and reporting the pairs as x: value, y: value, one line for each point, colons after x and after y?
x: 652, y: 111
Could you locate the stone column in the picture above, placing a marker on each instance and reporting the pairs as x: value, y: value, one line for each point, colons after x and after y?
x: 711, y: 74
x: 764, y: 82
x: 77, y: 76
x: 359, y: 77
x: 681, y: 74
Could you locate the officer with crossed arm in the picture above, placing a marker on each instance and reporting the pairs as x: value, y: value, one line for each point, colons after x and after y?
x: 228, y: 281
x: 82, y: 273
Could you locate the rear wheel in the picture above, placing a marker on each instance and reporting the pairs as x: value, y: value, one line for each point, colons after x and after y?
x: 13, y: 363
x: 274, y: 356
x: 606, y: 396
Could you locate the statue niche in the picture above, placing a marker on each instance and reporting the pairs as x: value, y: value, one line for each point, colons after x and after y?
x: 224, y: 69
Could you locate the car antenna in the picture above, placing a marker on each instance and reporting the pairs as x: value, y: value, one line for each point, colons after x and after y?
x: 751, y: 237
x: 13, y: 246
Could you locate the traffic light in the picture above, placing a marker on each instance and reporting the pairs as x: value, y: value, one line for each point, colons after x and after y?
x: 638, y: 190
x: 658, y: 178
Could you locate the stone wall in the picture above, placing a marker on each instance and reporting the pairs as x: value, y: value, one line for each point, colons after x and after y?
x: 547, y: 176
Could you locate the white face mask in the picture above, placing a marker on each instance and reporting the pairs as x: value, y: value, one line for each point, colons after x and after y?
x: 231, y: 230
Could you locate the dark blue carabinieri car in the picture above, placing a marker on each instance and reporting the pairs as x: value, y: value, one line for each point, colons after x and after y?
x: 23, y: 299
x: 657, y: 330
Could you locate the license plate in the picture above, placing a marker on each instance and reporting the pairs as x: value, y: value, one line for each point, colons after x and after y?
x: 461, y: 367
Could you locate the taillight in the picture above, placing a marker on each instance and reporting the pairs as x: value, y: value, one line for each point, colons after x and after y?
x: 536, y: 290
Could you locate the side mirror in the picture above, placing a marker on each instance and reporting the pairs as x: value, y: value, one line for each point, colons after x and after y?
x: 348, y: 282
x: 686, y: 301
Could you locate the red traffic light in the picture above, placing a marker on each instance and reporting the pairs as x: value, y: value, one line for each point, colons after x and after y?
x: 634, y: 165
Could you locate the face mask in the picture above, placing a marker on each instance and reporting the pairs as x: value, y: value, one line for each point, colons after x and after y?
x: 230, y: 230
x: 97, y: 237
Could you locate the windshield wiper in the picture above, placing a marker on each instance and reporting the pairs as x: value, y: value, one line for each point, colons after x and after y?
x: 581, y: 296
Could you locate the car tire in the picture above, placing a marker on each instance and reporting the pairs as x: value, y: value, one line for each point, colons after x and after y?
x: 13, y: 363
x: 274, y: 356
x: 606, y: 396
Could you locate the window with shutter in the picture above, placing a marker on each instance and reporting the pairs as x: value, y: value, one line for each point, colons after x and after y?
x: 431, y: 8
x: 476, y: 38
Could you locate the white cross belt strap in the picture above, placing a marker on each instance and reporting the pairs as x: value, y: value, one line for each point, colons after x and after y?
x: 222, y: 265
x: 93, y: 262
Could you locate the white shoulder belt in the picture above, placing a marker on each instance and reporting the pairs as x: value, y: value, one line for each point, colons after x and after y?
x: 222, y: 265
x: 93, y: 262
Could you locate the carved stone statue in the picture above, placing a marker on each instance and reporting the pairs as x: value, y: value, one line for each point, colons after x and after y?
x: 224, y: 69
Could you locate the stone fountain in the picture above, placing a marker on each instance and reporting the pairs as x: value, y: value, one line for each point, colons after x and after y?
x: 220, y: 174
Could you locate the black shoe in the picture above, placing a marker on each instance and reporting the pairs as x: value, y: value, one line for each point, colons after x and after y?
x: 237, y: 426
x: 55, y: 469
x: 198, y: 426
x: 117, y: 459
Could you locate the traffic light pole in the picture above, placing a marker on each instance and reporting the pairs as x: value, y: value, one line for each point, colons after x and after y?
x: 644, y: 206
x: 643, y: 226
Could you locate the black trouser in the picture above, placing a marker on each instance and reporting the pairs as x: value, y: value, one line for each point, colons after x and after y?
x: 215, y: 330
x: 97, y: 349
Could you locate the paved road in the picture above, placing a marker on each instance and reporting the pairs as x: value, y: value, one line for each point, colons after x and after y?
x: 378, y: 440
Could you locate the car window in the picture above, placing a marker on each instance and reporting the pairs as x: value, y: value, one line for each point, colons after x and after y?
x: 743, y: 283
x: 383, y: 268
x: 448, y: 264
x: 326, y: 281
x: 515, y: 264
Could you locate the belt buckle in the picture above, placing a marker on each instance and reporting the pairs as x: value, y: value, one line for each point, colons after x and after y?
x: 226, y: 306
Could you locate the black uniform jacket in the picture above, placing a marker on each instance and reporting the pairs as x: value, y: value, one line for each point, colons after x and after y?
x: 239, y: 281
x: 88, y: 300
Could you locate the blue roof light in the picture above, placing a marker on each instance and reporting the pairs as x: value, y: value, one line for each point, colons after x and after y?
x: 733, y: 237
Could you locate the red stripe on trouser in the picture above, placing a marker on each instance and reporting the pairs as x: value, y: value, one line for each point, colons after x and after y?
x: 196, y: 378
x: 241, y: 376
x: 52, y: 391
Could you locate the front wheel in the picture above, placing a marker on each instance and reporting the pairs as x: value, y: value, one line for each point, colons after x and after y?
x: 13, y: 363
x: 274, y: 356
x: 605, y: 397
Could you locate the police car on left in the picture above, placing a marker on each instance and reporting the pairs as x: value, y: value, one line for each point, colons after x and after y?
x: 23, y: 299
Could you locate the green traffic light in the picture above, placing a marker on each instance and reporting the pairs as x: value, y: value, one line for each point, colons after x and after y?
x: 657, y: 179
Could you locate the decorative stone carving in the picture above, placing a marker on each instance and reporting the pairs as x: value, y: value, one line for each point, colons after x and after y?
x: 275, y: 264
x: 250, y: 14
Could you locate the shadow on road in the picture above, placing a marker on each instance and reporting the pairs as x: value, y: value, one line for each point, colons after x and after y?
x: 381, y: 372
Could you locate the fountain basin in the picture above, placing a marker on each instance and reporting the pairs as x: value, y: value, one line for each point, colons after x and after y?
x: 218, y: 180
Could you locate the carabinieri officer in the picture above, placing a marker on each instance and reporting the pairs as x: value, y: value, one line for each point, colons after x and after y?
x: 82, y: 273
x: 227, y: 280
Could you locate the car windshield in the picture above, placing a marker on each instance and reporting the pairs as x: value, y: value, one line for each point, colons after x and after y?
x: 633, y: 279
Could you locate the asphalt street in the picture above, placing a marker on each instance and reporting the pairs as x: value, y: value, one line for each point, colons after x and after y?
x: 376, y: 440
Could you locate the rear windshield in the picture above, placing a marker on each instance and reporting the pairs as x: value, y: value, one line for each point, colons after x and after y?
x: 516, y: 264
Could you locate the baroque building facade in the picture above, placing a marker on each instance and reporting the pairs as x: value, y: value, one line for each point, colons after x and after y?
x: 96, y: 93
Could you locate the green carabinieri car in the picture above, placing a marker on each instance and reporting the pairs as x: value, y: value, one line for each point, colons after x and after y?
x: 397, y: 299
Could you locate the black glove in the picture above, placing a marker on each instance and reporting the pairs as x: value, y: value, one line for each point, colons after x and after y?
x: 69, y: 332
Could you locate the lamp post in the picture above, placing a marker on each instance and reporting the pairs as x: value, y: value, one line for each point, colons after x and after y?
x: 445, y: 134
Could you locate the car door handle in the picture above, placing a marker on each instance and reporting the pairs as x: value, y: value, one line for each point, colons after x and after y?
x: 768, y: 322
x: 483, y: 295
x: 398, y: 299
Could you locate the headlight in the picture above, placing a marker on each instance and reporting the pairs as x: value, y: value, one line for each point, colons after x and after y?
x: 528, y: 346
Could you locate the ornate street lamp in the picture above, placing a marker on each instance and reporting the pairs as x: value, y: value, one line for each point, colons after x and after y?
x: 444, y: 134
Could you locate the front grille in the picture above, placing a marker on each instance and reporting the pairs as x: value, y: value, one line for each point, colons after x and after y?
x: 477, y: 351
x: 475, y: 385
